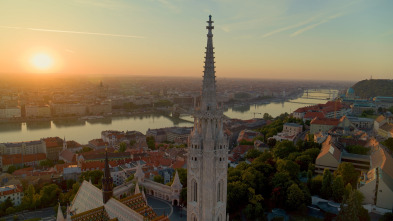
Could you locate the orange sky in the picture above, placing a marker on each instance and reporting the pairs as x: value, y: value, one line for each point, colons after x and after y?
x: 332, y: 40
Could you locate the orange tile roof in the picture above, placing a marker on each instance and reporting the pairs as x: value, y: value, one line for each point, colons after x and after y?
x: 326, y: 121
x: 19, y: 159
x: 53, y: 142
x: 380, y: 118
x: 312, y: 115
x: 22, y: 171
x: 326, y: 147
x: 93, y: 165
x: 381, y: 158
x: 60, y: 167
x: 17, y: 189
x: 178, y: 164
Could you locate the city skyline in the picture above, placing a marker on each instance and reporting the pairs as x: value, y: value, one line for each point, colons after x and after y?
x: 316, y: 40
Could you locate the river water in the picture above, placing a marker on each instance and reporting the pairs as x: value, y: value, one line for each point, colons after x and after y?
x: 82, y: 131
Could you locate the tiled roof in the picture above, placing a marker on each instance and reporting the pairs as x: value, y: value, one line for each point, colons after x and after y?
x: 22, y: 171
x: 241, y: 149
x: 387, y: 127
x: 326, y: 121
x: 93, y: 165
x: 68, y: 155
x: 53, y: 142
x: 312, y: 115
x: 101, y: 156
x: 328, y: 147
x: 178, y: 164
x: 7, y: 190
x: 381, y: 158
x: 19, y: 159
x: 380, y: 118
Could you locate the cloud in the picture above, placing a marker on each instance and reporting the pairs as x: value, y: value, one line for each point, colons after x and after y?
x: 69, y: 51
x: 169, y: 5
x: 288, y: 27
x: 309, y: 27
x: 109, y: 4
x: 73, y: 32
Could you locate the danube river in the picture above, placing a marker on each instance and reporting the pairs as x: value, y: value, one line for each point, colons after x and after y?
x: 82, y: 131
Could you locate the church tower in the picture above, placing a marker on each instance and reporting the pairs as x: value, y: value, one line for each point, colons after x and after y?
x: 107, y: 181
x: 208, y: 150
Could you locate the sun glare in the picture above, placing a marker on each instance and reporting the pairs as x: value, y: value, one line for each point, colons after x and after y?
x: 42, y: 61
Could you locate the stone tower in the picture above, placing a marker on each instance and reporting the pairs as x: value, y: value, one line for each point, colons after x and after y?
x: 208, y: 150
x: 107, y: 181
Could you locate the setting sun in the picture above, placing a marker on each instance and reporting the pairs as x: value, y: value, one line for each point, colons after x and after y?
x: 42, y: 61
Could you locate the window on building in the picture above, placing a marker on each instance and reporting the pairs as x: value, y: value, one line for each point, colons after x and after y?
x: 194, y: 194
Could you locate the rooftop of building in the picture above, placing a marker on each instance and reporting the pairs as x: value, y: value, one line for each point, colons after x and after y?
x: 293, y: 125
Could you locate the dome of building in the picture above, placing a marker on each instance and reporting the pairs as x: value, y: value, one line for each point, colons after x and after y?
x: 350, y: 91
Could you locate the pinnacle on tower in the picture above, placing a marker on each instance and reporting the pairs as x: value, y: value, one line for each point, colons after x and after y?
x: 176, y: 182
x: 107, y: 181
x: 209, y: 79
x: 60, y: 216
x: 137, y: 188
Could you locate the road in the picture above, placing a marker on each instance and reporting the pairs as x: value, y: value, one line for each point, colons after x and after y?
x: 46, y: 214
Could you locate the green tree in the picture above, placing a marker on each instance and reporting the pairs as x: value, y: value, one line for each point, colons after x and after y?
x: 237, y: 192
x: 357, y: 149
x: 326, y: 190
x: 348, y: 172
x: 309, y: 179
x: 47, y: 163
x: 271, y: 142
x: 267, y: 116
x: 289, y: 167
x: 351, y: 208
x: 312, y: 152
x: 295, y: 197
x: 49, y: 195
x: 10, y: 210
x: 131, y: 177
x: 316, y: 185
x: 249, y: 211
x: 159, y: 179
x: 94, y: 175
x: 303, y: 161
x: 253, y: 153
x: 6, y: 204
x: 30, y: 198
x: 338, y: 189
x: 11, y: 169
x: 122, y: 147
x: 182, y: 176
x: 283, y: 149
x: 151, y: 143
x: 389, y: 142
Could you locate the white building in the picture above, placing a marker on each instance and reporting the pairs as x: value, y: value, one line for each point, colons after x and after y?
x: 24, y: 148
x: 14, y: 192
x: 208, y: 150
x: 33, y: 111
x: 10, y: 112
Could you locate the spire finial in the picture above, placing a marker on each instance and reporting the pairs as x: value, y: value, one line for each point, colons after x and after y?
x: 210, y: 22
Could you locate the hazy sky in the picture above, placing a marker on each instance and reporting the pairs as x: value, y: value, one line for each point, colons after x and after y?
x: 312, y: 39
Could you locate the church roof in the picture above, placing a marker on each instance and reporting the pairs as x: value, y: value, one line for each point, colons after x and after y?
x: 87, y: 198
x: 176, y: 182
x: 60, y: 216
x: 88, y: 205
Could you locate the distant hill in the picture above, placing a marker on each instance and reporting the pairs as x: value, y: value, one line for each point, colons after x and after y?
x: 373, y: 88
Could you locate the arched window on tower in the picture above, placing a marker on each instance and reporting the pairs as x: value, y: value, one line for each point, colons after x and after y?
x: 193, y: 217
x: 219, y: 191
x: 194, y: 189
